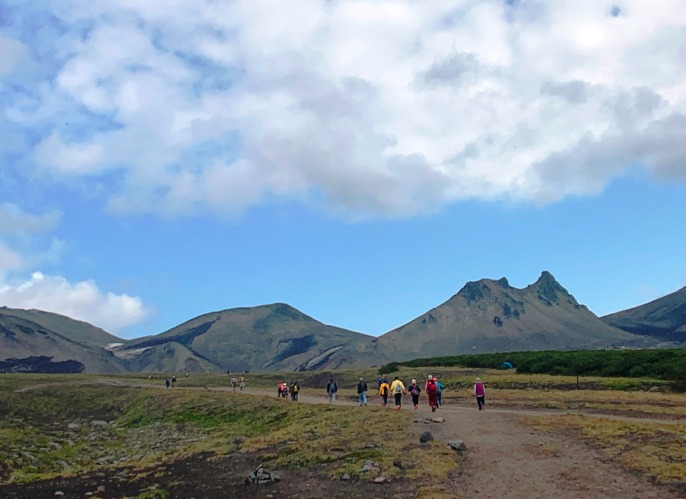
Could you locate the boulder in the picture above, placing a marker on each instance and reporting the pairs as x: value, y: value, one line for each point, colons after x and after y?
x: 426, y: 437
x: 458, y: 445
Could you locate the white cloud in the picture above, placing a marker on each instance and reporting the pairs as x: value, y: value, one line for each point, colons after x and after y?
x: 14, y: 220
x: 12, y: 53
x: 81, y: 300
x: 376, y: 108
x: 18, y: 229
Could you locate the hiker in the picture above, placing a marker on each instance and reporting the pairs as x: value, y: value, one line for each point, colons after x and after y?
x: 439, y: 392
x: 331, y: 389
x: 384, y: 379
x: 279, y: 389
x: 480, y: 393
x: 295, y: 390
x: 414, y: 390
x: 234, y: 381
x: 173, y: 381
x: 362, y: 392
x: 284, y: 390
x: 166, y: 382
x: 398, y: 389
x: 384, y: 390
x: 241, y: 382
x: 431, y: 389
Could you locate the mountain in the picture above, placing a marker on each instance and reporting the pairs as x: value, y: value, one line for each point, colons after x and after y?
x: 34, y: 333
x: 274, y: 337
x: 492, y: 316
x: 484, y: 316
x: 664, y: 318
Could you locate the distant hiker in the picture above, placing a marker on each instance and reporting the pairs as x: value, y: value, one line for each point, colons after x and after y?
x: 414, y: 390
x: 431, y: 389
x: 384, y: 390
x: 241, y: 382
x: 398, y: 389
x: 480, y: 393
x: 295, y: 390
x: 331, y: 389
x: 166, y: 382
x: 362, y: 392
x: 384, y: 379
x: 439, y: 392
x: 283, y: 390
x: 173, y: 381
x: 234, y: 382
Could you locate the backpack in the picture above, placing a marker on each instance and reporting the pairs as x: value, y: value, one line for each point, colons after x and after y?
x: 415, y: 390
x: 296, y: 388
x: 398, y: 388
x: 431, y: 387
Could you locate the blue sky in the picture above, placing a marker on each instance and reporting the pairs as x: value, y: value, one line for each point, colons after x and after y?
x: 358, y: 160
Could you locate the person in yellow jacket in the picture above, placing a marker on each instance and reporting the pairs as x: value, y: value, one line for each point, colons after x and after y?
x: 398, y: 390
x: 384, y: 390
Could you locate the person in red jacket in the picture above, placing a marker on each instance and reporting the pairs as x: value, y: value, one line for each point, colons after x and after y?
x: 431, y: 390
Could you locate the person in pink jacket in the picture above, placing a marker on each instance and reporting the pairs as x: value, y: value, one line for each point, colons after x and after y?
x: 480, y: 393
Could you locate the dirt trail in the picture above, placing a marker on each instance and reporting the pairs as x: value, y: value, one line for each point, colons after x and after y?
x: 505, y: 458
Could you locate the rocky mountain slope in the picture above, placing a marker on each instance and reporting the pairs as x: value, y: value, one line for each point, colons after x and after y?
x: 664, y: 318
x: 34, y: 333
x: 269, y: 337
x: 492, y: 316
x: 484, y: 316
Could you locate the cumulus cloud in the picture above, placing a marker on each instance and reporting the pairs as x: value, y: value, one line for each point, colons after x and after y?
x: 81, y: 300
x: 387, y: 108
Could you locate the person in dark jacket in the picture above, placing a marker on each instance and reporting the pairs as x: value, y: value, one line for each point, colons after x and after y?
x: 362, y: 392
x: 331, y: 389
x: 414, y: 390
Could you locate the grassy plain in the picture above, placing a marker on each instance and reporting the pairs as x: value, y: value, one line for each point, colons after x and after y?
x: 145, y: 426
x: 74, y: 426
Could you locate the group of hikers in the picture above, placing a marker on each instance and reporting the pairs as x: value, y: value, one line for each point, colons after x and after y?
x: 171, y: 382
x: 283, y: 390
x: 240, y: 382
x: 396, y: 388
x: 433, y: 388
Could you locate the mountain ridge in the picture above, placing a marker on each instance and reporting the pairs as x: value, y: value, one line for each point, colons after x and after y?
x: 487, y: 315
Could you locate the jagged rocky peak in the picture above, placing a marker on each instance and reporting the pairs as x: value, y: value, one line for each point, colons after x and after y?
x: 551, y: 291
x: 503, y: 282
x: 475, y: 290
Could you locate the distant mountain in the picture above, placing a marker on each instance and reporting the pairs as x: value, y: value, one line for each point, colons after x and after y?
x: 34, y: 333
x: 270, y: 337
x: 484, y: 316
x: 664, y: 318
x: 492, y: 316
